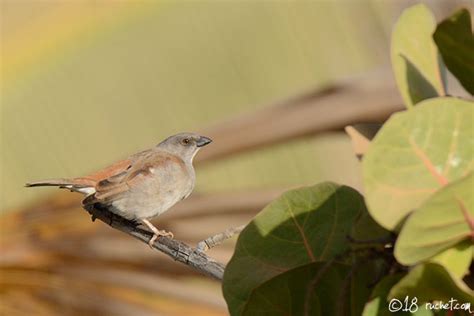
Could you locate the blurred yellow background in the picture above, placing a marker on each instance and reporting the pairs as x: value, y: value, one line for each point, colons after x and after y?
x: 86, y: 83
x: 89, y: 82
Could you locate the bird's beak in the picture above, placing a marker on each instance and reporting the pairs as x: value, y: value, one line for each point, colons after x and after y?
x: 203, y: 141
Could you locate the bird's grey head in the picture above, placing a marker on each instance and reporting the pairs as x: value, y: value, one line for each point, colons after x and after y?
x: 184, y: 145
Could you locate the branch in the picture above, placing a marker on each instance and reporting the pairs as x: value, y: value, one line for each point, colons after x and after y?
x: 177, y: 250
x: 218, y: 238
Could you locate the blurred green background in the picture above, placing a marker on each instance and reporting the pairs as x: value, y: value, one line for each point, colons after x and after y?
x: 102, y: 80
x: 85, y: 83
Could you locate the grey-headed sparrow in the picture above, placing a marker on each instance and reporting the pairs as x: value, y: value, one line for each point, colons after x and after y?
x: 144, y: 185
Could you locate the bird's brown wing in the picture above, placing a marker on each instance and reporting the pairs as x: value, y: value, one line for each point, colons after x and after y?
x: 111, y: 171
x: 112, y: 187
x: 90, y: 181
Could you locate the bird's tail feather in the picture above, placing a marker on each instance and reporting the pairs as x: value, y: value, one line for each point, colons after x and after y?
x: 50, y: 182
x: 62, y: 183
x: 81, y: 185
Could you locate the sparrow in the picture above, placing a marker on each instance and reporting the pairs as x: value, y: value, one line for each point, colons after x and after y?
x: 143, y: 186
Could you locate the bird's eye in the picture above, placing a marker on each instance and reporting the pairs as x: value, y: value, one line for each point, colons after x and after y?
x: 186, y: 141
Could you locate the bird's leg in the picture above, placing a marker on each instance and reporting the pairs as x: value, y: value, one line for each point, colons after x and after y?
x: 156, y: 232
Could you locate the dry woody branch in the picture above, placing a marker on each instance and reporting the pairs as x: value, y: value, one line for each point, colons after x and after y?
x: 177, y: 250
x: 218, y: 238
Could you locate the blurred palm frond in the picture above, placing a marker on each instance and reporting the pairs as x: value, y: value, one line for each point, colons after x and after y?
x: 57, y: 261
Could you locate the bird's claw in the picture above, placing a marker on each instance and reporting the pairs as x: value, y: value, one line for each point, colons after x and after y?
x: 161, y: 233
x: 164, y: 233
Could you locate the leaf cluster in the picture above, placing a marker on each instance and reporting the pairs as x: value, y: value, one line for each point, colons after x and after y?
x: 328, y: 250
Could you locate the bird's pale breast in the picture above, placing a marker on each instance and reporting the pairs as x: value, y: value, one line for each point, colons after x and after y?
x: 156, y: 191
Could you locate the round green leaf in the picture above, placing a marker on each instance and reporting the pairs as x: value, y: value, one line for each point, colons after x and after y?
x: 414, y: 55
x: 302, y: 226
x: 314, y: 289
x: 456, y: 259
x: 364, y: 271
x: 320, y: 288
x: 378, y: 303
x: 442, y: 221
x: 456, y: 44
x: 416, y: 153
x: 431, y: 281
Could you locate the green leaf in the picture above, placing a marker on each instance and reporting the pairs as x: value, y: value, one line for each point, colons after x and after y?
x: 416, y: 153
x: 315, y: 289
x: 302, y: 226
x: 320, y: 288
x: 418, y: 87
x: 366, y: 229
x: 441, y: 222
x: 364, y: 271
x: 378, y: 303
x: 431, y: 281
x: 417, y: 68
x: 456, y: 259
x: 456, y: 44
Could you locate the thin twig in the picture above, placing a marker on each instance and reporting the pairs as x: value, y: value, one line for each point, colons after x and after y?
x: 177, y: 250
x: 218, y: 238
